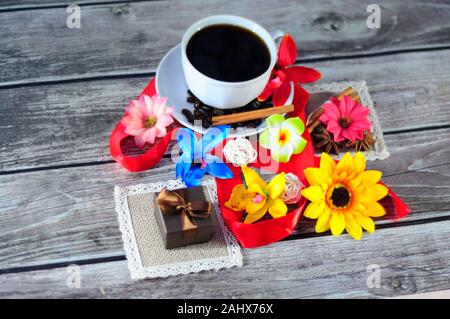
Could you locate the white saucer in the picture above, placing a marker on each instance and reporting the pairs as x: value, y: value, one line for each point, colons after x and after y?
x: 170, y: 83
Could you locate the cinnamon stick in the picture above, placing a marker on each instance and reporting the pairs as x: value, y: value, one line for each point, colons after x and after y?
x: 347, y: 92
x: 251, y: 115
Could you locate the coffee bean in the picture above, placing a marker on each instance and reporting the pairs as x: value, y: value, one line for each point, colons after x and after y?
x: 205, y: 112
x: 188, y: 114
x: 218, y: 112
x: 198, y: 104
x: 198, y: 113
x: 206, y: 122
x: 256, y: 103
x: 190, y: 99
x: 208, y: 108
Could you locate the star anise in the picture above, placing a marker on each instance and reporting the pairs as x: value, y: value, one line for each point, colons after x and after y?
x: 365, y: 144
x: 324, y: 140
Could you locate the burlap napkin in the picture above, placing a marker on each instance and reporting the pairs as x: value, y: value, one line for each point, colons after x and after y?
x: 144, y: 246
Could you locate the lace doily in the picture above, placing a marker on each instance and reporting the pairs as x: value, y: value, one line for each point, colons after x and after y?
x: 239, y: 152
x: 138, y: 271
x: 380, y: 151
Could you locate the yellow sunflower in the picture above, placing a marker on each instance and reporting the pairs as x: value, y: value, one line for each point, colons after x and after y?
x: 344, y: 195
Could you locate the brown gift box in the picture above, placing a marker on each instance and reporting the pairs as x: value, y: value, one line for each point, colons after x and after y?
x: 170, y: 225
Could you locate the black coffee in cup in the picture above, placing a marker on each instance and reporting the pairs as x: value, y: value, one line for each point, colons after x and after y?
x: 228, y: 53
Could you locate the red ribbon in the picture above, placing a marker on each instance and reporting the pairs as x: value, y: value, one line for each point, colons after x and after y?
x: 144, y: 161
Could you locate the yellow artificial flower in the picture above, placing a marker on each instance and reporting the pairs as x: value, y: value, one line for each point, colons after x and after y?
x: 344, y: 195
x: 264, y: 197
x: 238, y: 198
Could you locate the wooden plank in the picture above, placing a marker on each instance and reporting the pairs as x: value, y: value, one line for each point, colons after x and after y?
x: 411, y: 259
x: 6, y: 5
x: 63, y: 124
x: 67, y: 214
x: 40, y: 47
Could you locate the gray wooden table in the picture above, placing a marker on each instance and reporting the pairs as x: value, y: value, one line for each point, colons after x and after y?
x: 62, y: 90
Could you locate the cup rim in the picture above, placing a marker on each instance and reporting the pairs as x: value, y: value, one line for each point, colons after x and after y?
x: 185, y: 40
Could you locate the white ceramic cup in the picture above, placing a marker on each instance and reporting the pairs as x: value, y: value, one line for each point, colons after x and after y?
x: 220, y: 94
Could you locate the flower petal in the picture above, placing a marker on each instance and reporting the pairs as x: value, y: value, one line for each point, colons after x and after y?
x: 281, y: 95
x: 370, y: 177
x: 264, y: 139
x: 256, y: 188
x: 150, y: 135
x: 277, y: 208
x: 165, y: 120
x: 253, y: 208
x: 366, y: 223
x: 323, y: 222
x: 194, y: 176
x: 139, y: 140
x: 217, y: 168
x: 313, y: 210
x: 352, y: 227
x: 302, y: 74
x: 282, y: 154
x: 130, y: 130
x: 331, y: 112
x: 374, y: 193
x: 327, y: 164
x: 294, y: 125
x: 337, y: 223
x: 359, y: 163
x: 251, y: 218
x: 345, y: 164
x: 317, y: 176
x: 350, y: 134
x: 298, y: 143
x: 251, y: 177
x: 287, y: 51
x: 274, y: 121
x: 374, y: 209
x: 266, y: 93
x: 276, y: 185
x: 313, y: 194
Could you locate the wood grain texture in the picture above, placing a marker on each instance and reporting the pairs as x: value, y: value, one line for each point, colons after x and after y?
x: 6, y: 5
x: 412, y: 259
x: 66, y: 214
x: 37, y: 45
x: 71, y: 123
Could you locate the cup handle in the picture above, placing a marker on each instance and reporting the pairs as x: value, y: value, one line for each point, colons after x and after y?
x: 277, y: 35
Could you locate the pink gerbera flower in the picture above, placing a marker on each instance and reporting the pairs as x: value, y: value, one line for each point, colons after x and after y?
x: 346, y: 119
x: 147, y: 118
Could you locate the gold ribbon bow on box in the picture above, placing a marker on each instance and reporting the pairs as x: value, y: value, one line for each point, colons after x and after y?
x: 171, y: 202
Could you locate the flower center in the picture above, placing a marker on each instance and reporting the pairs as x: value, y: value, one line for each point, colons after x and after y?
x: 344, y: 122
x: 151, y: 121
x: 258, y: 199
x: 339, y: 196
x: 283, y: 137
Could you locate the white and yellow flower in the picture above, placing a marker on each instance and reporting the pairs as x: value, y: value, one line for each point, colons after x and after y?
x: 283, y: 137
